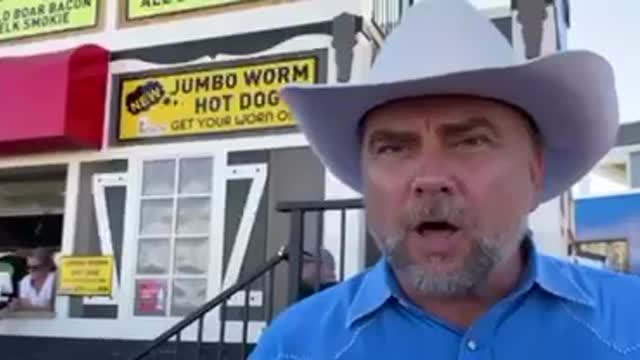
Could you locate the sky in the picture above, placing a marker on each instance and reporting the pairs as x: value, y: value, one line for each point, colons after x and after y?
x: 611, y: 28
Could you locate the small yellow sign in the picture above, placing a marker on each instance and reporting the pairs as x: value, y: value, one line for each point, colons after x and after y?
x: 25, y: 18
x: 139, y: 9
x: 86, y: 275
x: 222, y: 99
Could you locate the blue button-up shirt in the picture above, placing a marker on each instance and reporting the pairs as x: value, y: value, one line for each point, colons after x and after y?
x: 558, y: 311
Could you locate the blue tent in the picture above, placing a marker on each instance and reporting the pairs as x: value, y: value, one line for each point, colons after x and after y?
x: 608, y: 217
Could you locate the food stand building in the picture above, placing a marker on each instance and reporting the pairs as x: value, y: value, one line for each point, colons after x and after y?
x: 151, y: 132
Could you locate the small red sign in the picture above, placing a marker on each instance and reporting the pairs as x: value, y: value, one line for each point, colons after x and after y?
x: 151, y: 297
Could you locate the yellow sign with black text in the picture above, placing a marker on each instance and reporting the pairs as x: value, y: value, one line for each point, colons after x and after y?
x: 26, y: 18
x: 140, y: 9
x: 86, y: 275
x: 189, y: 102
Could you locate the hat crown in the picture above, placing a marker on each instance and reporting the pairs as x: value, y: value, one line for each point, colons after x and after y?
x: 438, y: 37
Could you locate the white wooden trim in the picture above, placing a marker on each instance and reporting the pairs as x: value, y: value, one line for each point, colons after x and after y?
x: 98, y: 186
x: 258, y: 174
x: 137, y: 329
x: 172, y: 232
x: 130, y: 242
x: 216, y: 263
x: 68, y: 228
x: 632, y: 191
x: 628, y: 163
x: 158, y: 150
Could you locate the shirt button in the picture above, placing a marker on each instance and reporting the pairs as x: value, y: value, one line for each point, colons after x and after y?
x: 472, y: 345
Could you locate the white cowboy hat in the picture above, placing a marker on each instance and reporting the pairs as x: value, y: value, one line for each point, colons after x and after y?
x: 448, y: 47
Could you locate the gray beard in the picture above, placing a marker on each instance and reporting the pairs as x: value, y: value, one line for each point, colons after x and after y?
x: 485, y: 253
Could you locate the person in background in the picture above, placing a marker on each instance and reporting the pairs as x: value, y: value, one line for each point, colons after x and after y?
x: 314, y: 277
x: 37, y: 288
x: 17, y: 262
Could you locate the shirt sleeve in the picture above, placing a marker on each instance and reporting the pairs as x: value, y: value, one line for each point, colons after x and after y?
x: 267, y: 346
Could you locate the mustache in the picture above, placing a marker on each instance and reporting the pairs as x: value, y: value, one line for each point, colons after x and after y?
x: 436, y: 208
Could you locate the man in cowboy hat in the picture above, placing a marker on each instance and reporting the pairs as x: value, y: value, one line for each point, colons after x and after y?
x: 453, y: 141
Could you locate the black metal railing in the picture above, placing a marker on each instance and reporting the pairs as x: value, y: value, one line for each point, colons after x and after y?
x: 307, y: 229
x: 306, y: 241
x: 170, y: 344
x: 387, y: 14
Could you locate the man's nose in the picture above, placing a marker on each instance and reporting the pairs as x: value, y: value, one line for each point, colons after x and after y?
x: 433, y: 181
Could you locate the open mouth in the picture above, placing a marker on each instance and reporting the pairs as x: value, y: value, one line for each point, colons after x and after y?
x: 435, y: 226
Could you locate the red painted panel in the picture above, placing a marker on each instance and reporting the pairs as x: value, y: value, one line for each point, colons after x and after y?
x: 53, y: 101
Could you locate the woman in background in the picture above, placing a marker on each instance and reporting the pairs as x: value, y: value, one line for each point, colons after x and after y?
x: 37, y: 288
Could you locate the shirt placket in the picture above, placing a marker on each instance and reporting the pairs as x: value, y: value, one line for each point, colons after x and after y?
x: 477, y: 341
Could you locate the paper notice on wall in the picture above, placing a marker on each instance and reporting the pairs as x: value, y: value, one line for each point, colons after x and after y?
x: 26, y: 18
x: 86, y: 276
x: 140, y: 9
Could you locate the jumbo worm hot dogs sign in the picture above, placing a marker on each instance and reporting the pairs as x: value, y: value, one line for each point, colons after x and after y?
x: 192, y: 101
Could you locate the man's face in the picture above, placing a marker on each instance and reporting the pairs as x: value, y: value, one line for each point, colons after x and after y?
x: 310, y: 272
x: 36, y: 268
x: 449, y: 182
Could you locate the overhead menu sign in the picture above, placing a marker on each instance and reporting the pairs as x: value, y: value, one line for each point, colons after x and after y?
x: 139, y: 9
x: 210, y: 100
x: 26, y: 18
x: 86, y: 275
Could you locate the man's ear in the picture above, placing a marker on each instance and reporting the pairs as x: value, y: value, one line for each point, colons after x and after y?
x: 536, y: 173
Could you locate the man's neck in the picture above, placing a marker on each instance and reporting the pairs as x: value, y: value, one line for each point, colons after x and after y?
x: 464, y: 310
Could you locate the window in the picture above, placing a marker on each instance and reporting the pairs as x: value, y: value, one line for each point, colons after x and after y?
x: 31, y: 216
x: 99, y: 229
x: 173, y: 236
x: 611, y: 254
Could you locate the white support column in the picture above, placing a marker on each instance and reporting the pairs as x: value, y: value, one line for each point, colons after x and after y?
x: 634, y: 169
x: 69, y: 227
x: 546, y: 223
x: 539, y: 28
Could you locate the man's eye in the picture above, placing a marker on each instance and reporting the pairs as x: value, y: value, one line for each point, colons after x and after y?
x: 474, y: 141
x: 389, y: 149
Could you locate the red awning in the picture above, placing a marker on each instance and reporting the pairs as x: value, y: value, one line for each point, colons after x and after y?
x: 53, y: 101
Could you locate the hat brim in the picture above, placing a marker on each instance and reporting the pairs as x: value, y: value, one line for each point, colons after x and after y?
x: 571, y: 96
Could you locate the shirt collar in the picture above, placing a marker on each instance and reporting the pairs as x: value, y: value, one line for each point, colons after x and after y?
x: 555, y: 277
x: 379, y: 283
x: 375, y: 290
